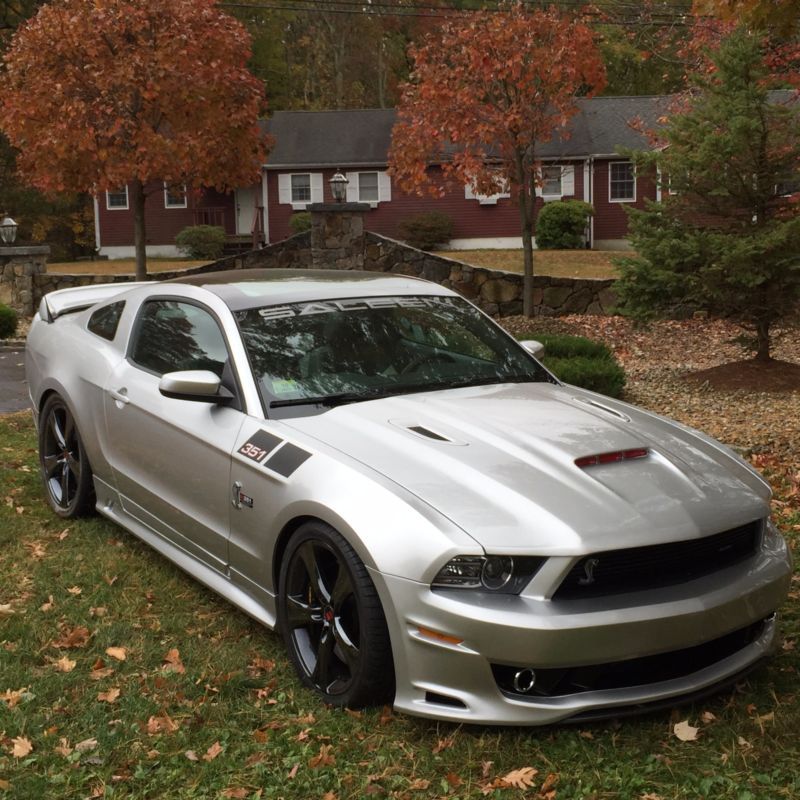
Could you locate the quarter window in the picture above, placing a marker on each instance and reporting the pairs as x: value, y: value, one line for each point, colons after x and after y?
x: 368, y: 187
x: 172, y: 336
x: 622, y: 182
x: 105, y: 320
x: 301, y: 188
x: 117, y: 198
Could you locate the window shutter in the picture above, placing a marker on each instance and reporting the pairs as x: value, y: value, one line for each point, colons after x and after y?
x: 316, y: 188
x: 352, y: 187
x: 384, y: 187
x: 284, y: 188
x: 567, y: 181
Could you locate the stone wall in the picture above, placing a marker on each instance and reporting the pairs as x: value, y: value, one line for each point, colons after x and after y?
x: 20, y: 267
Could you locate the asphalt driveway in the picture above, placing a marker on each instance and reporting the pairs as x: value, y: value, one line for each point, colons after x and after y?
x: 13, y: 386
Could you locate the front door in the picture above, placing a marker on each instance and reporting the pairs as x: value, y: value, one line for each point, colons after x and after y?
x: 173, y: 474
x: 245, y: 210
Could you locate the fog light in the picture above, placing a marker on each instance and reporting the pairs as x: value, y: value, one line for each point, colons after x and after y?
x: 524, y: 680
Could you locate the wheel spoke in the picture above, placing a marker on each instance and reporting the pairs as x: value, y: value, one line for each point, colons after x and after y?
x: 307, y: 554
x: 342, y: 589
x: 74, y: 466
x: 69, y: 430
x: 65, y: 485
x: 300, y: 614
x: 51, y: 465
x: 58, y: 434
x: 321, y: 674
x: 349, y: 652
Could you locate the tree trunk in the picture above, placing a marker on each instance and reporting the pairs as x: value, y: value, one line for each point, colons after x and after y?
x: 526, y: 203
x: 762, y: 331
x: 139, y: 240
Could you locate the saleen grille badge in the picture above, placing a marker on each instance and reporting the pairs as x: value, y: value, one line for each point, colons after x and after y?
x: 589, y: 569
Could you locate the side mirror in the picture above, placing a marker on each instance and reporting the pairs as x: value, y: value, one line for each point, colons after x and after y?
x: 200, y: 385
x: 536, y: 349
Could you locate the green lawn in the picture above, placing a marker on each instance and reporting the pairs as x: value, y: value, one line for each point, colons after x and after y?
x: 204, y: 704
x: 557, y: 263
x: 121, y: 266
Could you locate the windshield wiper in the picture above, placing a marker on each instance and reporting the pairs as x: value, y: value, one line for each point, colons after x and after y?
x: 342, y: 398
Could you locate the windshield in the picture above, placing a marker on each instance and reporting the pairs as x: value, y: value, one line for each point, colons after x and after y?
x: 333, y: 351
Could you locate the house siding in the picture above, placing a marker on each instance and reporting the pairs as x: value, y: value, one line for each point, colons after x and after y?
x: 162, y: 224
x: 470, y: 219
x: 610, y: 219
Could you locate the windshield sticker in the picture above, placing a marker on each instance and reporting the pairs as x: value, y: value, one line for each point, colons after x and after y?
x: 353, y: 304
x: 284, y: 386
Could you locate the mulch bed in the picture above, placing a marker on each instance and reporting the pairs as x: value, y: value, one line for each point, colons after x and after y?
x: 701, y: 373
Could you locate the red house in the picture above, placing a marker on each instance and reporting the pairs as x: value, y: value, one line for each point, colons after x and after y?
x: 310, y: 146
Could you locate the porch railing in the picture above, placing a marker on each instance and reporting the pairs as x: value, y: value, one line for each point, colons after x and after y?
x: 210, y: 215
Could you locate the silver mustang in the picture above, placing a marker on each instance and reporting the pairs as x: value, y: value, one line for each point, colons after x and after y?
x: 372, y: 466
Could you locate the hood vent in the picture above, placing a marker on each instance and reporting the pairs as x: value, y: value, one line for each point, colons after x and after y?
x: 428, y: 433
x: 601, y: 407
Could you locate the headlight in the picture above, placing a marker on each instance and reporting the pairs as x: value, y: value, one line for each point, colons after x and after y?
x: 502, y: 574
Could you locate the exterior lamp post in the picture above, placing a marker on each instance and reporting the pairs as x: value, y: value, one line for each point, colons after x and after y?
x: 8, y: 230
x: 339, y: 187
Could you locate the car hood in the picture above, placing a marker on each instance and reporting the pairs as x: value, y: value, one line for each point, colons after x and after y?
x: 499, y: 462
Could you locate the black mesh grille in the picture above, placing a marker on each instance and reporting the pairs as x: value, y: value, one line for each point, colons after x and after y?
x: 637, y: 568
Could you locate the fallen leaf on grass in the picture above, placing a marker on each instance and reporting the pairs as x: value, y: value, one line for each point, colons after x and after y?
x: 98, y: 611
x: 520, y: 778
x: 650, y: 796
x: 37, y: 549
x: 684, y: 731
x: 191, y: 755
x: 11, y: 697
x: 259, y: 664
x: 707, y: 717
x: 443, y: 744
x: 48, y: 606
x: 419, y: 784
x: 6, y: 610
x: 323, y: 758
x: 86, y: 745
x: 239, y: 792
x: 548, y: 791
x: 329, y: 796
x: 173, y: 663
x: 63, y: 535
x: 63, y: 748
x: 72, y: 637
x: 161, y: 724
x: 453, y: 780
x: 65, y: 664
x: 75, y: 590
x: 213, y: 751
x: 21, y: 746
x: 120, y: 653
x: 110, y: 696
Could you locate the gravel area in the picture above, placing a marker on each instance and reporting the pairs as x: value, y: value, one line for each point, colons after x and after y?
x: 657, y: 361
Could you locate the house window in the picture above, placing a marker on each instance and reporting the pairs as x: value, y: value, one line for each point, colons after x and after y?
x: 301, y: 188
x: 368, y: 187
x: 621, y: 182
x: 551, y: 181
x: 788, y: 187
x: 174, y: 196
x: 117, y: 199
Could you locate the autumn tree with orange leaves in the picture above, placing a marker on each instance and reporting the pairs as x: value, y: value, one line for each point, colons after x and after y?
x: 100, y: 94
x: 485, y: 92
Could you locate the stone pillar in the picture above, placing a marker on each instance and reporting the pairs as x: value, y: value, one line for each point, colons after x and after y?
x: 20, y: 267
x: 337, y: 235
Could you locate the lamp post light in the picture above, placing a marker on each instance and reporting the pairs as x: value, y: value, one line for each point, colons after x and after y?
x: 8, y: 230
x: 339, y: 187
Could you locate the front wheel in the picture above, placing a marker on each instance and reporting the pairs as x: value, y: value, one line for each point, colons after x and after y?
x: 332, y: 621
x: 65, y: 469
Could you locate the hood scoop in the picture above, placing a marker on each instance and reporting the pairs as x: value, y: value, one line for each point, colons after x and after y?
x: 424, y: 432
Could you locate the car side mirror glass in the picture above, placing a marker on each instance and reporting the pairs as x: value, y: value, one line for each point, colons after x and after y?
x: 536, y: 349
x: 199, y: 385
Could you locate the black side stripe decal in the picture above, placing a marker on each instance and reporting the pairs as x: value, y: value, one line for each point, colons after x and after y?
x: 259, y: 446
x: 287, y: 460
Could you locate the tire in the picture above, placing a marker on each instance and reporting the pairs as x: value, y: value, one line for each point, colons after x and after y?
x: 332, y: 621
x: 65, y: 469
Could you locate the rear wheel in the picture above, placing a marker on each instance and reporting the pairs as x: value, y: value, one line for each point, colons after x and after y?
x: 332, y: 621
x: 64, y: 466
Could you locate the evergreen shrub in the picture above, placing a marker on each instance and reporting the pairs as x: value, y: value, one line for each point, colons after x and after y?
x: 8, y: 321
x: 202, y: 241
x: 561, y: 225
x: 427, y: 230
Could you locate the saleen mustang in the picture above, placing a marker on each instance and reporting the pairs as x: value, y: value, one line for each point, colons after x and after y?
x: 373, y: 467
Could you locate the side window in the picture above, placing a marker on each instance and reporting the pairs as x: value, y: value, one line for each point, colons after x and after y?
x: 172, y: 336
x: 105, y: 320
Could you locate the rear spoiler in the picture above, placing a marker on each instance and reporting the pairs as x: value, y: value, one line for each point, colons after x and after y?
x: 66, y: 301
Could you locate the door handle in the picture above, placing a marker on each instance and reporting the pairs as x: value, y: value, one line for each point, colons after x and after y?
x: 120, y: 396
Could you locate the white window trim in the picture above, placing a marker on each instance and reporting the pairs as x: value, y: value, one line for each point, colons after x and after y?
x: 484, y: 199
x: 620, y: 199
x: 354, y: 187
x: 167, y: 204
x: 300, y: 205
x: 553, y: 195
x: 373, y: 203
x: 109, y: 207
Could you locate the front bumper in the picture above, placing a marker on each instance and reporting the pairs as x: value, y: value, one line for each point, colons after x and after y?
x: 442, y: 679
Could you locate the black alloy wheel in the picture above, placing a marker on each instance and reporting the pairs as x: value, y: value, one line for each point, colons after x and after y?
x: 332, y: 620
x: 65, y: 468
